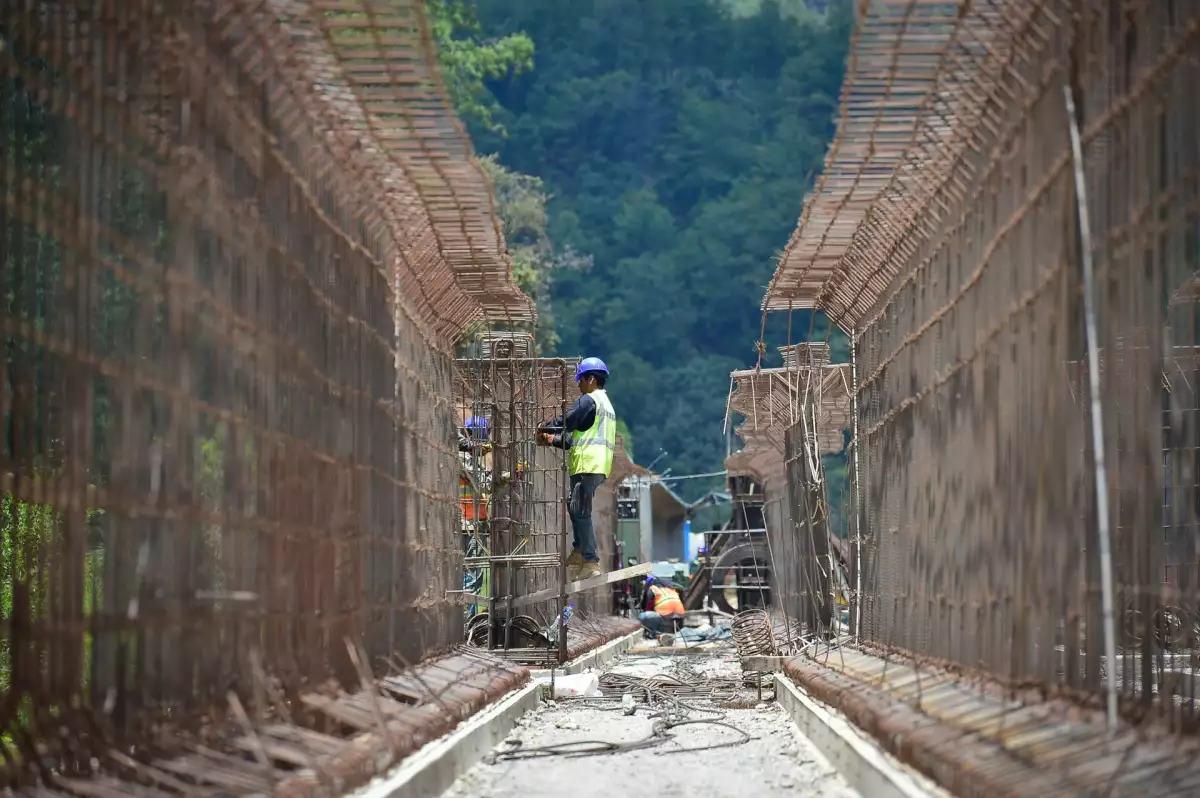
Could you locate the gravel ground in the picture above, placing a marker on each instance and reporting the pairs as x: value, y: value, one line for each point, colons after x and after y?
x: 778, y: 760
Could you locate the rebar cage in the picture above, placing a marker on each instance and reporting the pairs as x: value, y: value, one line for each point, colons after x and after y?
x: 515, y: 524
x: 226, y: 401
x: 959, y: 269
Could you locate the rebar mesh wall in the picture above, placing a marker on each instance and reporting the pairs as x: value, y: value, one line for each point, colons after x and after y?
x: 803, y: 554
x: 221, y: 428
x: 977, y: 475
x: 781, y: 543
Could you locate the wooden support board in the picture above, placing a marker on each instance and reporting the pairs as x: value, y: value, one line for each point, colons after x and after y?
x: 762, y: 664
x: 581, y: 585
x: 463, y: 597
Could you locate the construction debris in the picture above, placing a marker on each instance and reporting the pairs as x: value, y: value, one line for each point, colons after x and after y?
x: 694, y: 730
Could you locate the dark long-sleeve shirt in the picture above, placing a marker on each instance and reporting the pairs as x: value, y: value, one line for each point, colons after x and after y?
x: 580, y: 417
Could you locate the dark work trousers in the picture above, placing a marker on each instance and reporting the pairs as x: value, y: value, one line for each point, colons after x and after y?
x: 583, y: 489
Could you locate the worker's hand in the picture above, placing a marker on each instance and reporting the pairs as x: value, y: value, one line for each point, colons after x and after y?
x: 545, y: 439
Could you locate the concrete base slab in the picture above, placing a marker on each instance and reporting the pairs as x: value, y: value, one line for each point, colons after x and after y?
x: 596, y: 658
x: 434, y: 768
x: 761, y: 664
x: 868, y: 768
x: 694, y: 650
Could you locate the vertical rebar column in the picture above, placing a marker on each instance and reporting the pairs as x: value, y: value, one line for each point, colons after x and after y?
x: 856, y: 599
x: 562, y: 515
x: 510, y: 501
x: 1103, y: 531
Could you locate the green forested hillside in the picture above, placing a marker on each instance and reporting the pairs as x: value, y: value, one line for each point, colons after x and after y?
x: 674, y: 141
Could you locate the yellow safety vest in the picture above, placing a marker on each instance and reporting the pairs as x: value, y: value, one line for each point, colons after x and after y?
x: 592, y: 449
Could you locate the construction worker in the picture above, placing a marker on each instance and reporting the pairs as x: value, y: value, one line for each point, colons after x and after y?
x: 474, y: 435
x: 589, y: 434
x: 474, y: 488
x: 662, y: 609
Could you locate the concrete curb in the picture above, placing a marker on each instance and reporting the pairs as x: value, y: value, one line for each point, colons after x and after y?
x: 598, y: 656
x: 434, y: 768
x: 869, y: 769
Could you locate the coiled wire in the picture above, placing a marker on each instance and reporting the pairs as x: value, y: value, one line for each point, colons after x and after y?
x: 753, y: 633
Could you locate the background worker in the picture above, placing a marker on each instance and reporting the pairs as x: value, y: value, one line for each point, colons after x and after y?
x: 473, y: 475
x: 474, y: 493
x: 662, y: 609
x: 589, y: 434
x: 473, y: 436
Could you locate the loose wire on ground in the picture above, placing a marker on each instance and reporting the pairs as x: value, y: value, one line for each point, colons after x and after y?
x: 658, y: 735
x: 672, y: 711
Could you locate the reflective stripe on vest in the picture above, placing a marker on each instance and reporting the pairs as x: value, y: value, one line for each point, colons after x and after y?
x: 666, y: 601
x: 592, y: 449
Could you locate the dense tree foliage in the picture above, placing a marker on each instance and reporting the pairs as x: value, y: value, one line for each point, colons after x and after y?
x: 676, y: 140
x: 672, y: 144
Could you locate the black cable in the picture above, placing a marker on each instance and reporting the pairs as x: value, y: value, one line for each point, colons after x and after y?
x: 658, y: 735
x: 672, y: 713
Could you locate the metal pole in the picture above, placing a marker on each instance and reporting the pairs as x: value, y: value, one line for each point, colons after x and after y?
x: 562, y: 520
x: 1093, y: 347
x: 857, y: 488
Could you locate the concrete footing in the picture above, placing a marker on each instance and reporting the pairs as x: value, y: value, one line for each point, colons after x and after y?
x: 596, y: 658
x: 867, y: 768
x: 432, y: 770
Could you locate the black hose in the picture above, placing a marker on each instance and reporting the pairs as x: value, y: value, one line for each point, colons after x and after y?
x: 658, y: 735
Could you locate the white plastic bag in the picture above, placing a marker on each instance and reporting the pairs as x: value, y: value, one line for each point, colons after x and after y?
x: 577, y: 684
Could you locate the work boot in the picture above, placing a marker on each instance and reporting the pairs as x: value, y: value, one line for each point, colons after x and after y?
x: 588, y: 570
x: 575, y: 560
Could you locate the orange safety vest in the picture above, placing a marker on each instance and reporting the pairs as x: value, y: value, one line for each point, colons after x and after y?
x: 666, y: 601
x: 466, y: 501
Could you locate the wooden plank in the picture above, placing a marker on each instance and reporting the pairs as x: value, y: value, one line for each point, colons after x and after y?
x: 760, y: 664
x: 580, y: 585
x: 463, y: 597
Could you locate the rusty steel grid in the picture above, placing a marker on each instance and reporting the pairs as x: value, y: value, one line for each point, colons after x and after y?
x: 524, y: 539
x: 946, y: 237
x: 375, y: 61
x: 229, y: 306
x: 793, y: 415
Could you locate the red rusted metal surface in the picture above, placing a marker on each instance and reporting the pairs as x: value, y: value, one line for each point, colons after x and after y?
x: 978, y: 738
x: 349, y: 738
x: 949, y: 236
x: 590, y: 633
x: 232, y: 274
x: 520, y: 544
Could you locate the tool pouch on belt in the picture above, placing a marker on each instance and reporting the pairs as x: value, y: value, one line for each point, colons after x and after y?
x: 580, y: 504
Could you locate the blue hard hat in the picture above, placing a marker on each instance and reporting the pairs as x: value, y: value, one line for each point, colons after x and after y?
x: 479, y: 424
x: 650, y: 580
x: 588, y: 365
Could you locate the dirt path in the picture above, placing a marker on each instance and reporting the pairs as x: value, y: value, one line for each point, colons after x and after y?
x: 777, y: 761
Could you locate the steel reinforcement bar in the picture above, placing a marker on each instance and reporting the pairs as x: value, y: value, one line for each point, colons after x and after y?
x: 238, y: 241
